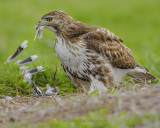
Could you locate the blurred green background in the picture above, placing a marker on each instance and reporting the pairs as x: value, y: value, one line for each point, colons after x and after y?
x: 136, y: 22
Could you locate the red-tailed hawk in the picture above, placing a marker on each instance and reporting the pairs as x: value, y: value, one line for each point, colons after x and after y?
x: 92, y: 56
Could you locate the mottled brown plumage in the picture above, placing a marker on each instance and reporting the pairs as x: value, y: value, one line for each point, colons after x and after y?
x: 92, y: 56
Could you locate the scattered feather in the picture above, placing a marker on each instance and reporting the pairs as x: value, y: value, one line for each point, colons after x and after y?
x: 24, y: 69
x: 36, y: 70
x: 18, y: 51
x: 26, y: 60
x: 36, y: 89
x: 27, y: 77
x: 51, y: 91
x: 6, y: 97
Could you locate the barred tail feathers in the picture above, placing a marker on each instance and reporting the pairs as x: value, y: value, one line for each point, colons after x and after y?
x: 141, y: 74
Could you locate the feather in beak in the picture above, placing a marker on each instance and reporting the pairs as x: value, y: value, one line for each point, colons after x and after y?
x: 39, y: 27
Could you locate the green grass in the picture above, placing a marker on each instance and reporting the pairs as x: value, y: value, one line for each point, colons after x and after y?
x: 136, y: 22
x: 99, y: 119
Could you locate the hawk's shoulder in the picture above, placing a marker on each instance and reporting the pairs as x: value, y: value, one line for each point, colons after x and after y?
x: 106, y: 43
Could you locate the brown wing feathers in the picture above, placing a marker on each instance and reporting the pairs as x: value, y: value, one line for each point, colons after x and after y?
x: 112, y: 47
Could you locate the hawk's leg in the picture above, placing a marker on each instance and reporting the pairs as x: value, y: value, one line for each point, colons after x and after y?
x: 97, y: 85
x: 101, y: 78
x: 83, y: 84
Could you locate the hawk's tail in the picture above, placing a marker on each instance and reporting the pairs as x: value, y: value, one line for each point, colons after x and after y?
x: 141, y: 74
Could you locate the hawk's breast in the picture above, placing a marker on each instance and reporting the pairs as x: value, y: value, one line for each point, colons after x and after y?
x: 71, y: 55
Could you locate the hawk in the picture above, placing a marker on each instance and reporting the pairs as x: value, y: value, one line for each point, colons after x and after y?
x: 92, y: 57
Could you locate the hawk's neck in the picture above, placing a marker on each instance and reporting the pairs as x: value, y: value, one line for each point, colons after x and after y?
x: 74, y: 30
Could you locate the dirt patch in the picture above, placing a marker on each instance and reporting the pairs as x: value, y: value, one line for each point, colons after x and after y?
x: 138, y: 99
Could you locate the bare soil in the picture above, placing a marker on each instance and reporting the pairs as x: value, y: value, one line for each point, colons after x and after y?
x: 138, y: 99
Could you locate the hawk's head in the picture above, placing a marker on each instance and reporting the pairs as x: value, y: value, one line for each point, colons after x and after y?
x: 63, y: 24
x: 56, y: 20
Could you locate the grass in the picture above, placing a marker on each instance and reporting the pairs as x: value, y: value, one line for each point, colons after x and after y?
x: 98, y: 119
x: 136, y: 22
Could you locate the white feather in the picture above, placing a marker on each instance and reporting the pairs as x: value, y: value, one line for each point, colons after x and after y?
x: 39, y: 68
x: 24, y: 44
x: 33, y: 57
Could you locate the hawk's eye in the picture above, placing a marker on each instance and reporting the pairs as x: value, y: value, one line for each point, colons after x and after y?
x: 49, y: 19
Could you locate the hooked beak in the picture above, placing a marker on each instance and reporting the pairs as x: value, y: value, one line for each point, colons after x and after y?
x: 42, y: 24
